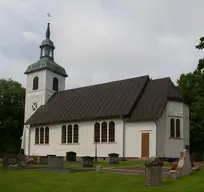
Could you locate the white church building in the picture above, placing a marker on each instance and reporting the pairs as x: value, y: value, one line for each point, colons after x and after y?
x: 136, y: 118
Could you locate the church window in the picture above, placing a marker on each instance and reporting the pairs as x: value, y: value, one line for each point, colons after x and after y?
x: 178, y: 135
x: 172, y: 127
x: 175, y: 128
x: 35, y: 83
x: 76, y: 133
x: 46, y: 135
x: 111, y: 131
x: 97, y: 132
x: 37, y: 136
x: 104, y: 132
x: 42, y: 135
x: 55, y: 84
x: 64, y: 129
x: 69, y: 134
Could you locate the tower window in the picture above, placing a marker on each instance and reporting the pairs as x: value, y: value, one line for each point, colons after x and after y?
x: 34, y: 106
x: 35, y: 83
x: 55, y: 84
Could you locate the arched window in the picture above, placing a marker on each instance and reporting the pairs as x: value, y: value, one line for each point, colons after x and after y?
x: 42, y: 135
x: 172, y: 128
x: 76, y: 133
x: 69, y: 136
x: 46, y: 135
x: 35, y: 83
x: 64, y: 134
x: 111, y: 131
x: 37, y: 136
x: 97, y: 132
x: 55, y: 84
x: 178, y: 134
x: 104, y: 132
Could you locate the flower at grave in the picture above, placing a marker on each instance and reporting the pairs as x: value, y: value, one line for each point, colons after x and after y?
x: 174, y: 166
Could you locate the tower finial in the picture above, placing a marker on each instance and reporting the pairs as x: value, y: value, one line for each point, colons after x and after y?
x: 48, y: 26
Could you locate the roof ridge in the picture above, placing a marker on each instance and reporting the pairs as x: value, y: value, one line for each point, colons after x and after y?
x: 162, y: 78
x: 115, y: 81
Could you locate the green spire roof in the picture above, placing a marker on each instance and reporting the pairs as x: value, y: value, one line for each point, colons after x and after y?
x: 47, y: 58
x: 46, y: 63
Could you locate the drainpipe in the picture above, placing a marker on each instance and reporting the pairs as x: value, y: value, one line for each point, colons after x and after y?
x: 156, y: 122
x: 28, y: 140
x: 123, y: 152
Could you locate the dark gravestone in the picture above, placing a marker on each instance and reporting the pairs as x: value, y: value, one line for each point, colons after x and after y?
x: 10, y: 160
x: 153, y: 171
x: 87, y: 161
x: 71, y: 156
x: 51, y: 156
x: 113, y: 158
x: 44, y: 160
x: 21, y: 159
x: 55, y: 162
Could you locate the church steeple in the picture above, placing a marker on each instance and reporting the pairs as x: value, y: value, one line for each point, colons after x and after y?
x: 47, y: 57
x: 47, y: 47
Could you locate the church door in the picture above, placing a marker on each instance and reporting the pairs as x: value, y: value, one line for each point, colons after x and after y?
x: 145, y: 145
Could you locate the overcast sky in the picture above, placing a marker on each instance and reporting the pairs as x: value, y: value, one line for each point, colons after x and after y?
x: 103, y: 40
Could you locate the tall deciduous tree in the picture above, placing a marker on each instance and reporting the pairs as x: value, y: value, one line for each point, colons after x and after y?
x: 192, y: 87
x: 12, y: 99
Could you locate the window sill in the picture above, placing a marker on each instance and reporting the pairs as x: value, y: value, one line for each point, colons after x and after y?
x: 70, y: 144
x: 43, y: 144
x: 176, y: 138
x: 104, y: 143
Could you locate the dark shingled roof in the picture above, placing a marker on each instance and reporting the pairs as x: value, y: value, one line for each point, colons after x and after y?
x: 154, y: 98
x: 137, y: 98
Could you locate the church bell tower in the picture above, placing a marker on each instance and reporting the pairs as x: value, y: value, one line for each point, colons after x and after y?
x: 44, y: 78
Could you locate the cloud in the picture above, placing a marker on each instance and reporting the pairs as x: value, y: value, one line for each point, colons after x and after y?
x: 103, y: 40
x: 31, y: 37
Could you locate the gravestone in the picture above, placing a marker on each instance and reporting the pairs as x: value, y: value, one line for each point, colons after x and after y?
x: 87, y: 161
x: 21, y: 159
x: 71, y: 156
x: 55, y: 162
x: 153, y: 171
x: 50, y: 156
x: 113, y: 158
x: 10, y: 160
x: 43, y: 160
x: 98, y: 168
x: 184, y: 166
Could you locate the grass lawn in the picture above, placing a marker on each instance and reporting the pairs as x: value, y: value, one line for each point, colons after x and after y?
x: 37, y: 181
x: 103, y: 164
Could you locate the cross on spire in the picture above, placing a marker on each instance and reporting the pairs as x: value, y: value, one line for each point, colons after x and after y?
x: 49, y: 16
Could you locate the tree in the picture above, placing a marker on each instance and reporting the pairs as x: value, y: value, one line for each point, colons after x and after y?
x: 191, y: 86
x: 12, y: 99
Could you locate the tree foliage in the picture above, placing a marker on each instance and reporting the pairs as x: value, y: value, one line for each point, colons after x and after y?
x: 192, y: 87
x: 12, y: 99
